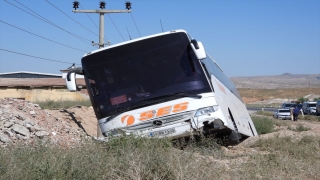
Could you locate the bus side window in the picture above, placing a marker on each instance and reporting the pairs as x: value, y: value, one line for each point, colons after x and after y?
x: 208, y: 64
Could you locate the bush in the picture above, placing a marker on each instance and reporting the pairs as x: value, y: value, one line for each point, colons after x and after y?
x: 201, y: 144
x: 263, y: 124
x: 302, y: 99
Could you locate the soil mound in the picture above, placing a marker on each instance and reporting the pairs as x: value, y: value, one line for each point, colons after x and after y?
x: 24, y: 122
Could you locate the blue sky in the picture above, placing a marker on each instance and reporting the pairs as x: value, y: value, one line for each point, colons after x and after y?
x: 246, y: 38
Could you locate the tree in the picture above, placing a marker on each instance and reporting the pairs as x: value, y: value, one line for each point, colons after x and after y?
x: 302, y: 99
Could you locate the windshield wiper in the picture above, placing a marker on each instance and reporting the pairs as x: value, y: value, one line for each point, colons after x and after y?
x: 179, y: 94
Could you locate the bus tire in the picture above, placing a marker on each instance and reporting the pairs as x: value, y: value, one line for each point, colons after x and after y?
x: 234, y: 138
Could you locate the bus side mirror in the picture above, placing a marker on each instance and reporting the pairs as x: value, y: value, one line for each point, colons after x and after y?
x: 71, y: 81
x: 198, y: 49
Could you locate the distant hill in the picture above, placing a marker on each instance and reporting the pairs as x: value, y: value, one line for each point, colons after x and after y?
x: 282, y: 81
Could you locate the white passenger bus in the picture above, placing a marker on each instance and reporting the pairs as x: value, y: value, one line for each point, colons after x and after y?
x: 163, y: 85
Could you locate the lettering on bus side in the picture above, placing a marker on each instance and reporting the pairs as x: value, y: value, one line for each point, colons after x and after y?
x: 129, y: 119
x: 221, y: 87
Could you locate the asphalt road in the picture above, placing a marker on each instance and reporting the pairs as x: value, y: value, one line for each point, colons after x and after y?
x: 262, y: 109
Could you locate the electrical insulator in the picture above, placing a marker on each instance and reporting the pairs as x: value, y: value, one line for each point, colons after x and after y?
x: 128, y: 5
x: 75, y: 5
x: 102, y: 5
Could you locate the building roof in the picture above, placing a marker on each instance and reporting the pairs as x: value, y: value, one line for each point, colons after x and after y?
x: 37, y: 82
x: 27, y: 74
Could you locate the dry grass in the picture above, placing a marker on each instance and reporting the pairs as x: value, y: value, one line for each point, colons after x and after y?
x: 123, y: 158
x: 285, y: 159
x: 142, y: 158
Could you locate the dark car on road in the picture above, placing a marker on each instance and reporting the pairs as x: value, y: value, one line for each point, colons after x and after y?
x: 286, y: 105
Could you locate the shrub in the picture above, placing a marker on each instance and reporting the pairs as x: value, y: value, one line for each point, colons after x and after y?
x: 302, y: 99
x: 201, y: 144
x: 263, y: 124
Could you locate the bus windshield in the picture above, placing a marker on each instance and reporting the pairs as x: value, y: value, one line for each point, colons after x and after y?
x: 141, y: 73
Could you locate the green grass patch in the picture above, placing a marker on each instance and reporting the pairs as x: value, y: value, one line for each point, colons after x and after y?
x: 263, y: 125
x: 264, y: 113
x: 62, y: 104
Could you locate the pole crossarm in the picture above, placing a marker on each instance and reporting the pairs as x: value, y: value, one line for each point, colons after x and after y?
x: 101, y: 28
x: 102, y: 11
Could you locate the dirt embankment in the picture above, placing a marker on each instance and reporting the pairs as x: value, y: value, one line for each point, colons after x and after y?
x: 25, y: 122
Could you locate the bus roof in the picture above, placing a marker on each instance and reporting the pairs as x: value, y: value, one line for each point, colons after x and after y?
x: 138, y: 39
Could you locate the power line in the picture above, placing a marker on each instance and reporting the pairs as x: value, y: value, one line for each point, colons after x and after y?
x: 90, y: 18
x: 116, y: 27
x: 135, y: 24
x: 71, y: 18
x: 41, y: 36
x: 129, y: 34
x: 93, y: 21
x: 47, y: 21
x: 102, y: 12
x: 39, y: 16
x: 36, y: 56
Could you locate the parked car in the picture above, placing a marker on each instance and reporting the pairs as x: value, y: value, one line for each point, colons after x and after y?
x: 282, y: 114
x: 298, y: 105
x: 318, y: 108
x: 286, y: 105
x: 309, y: 107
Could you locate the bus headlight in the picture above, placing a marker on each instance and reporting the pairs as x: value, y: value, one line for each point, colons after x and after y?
x: 206, y: 110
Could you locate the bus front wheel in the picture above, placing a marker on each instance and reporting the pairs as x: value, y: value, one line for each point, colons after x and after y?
x: 234, y: 138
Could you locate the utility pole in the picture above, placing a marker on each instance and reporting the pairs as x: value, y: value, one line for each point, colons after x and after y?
x: 101, y: 12
x: 101, y: 30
